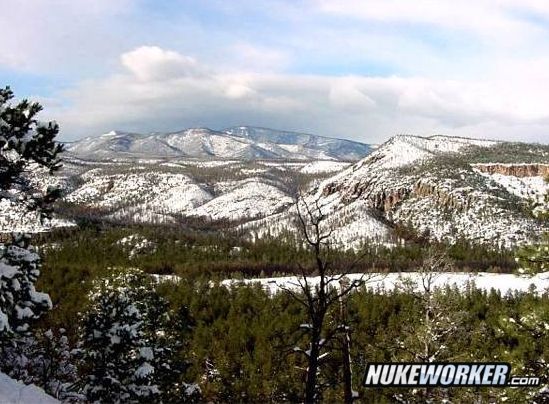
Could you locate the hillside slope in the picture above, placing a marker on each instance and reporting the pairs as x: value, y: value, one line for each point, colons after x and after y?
x: 434, y: 187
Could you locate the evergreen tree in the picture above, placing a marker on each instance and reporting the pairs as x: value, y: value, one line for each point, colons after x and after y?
x: 126, y: 343
x: 45, y: 360
x: 25, y: 145
x: 19, y: 301
x: 528, y: 324
x: 440, y: 320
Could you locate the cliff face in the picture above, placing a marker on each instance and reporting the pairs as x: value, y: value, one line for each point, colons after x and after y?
x: 442, y: 196
x: 386, y: 198
x: 515, y: 170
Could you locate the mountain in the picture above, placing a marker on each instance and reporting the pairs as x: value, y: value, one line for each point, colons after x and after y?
x: 243, y: 143
x: 312, y: 146
x: 444, y: 188
x: 164, y: 192
x: 438, y: 187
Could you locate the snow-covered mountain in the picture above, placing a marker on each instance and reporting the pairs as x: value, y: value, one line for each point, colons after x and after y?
x: 245, y: 143
x: 437, y: 186
x: 444, y: 188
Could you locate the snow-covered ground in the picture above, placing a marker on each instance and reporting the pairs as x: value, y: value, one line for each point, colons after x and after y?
x: 363, y: 201
x: 14, y: 392
x: 406, y: 149
x: 15, y: 217
x: 246, y: 200
x: 503, y: 283
x: 136, y: 244
x: 317, y: 167
x: 533, y: 188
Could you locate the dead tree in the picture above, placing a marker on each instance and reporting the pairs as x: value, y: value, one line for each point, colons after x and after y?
x: 321, y: 289
x: 439, y: 323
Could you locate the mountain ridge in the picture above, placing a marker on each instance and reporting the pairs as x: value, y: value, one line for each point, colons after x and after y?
x: 242, y: 142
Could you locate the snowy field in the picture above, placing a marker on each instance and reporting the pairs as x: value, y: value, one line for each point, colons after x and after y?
x: 503, y: 283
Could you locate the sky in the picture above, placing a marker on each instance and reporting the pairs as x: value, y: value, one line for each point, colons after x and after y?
x: 363, y: 70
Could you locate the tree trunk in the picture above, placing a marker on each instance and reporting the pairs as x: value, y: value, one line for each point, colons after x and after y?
x: 312, y: 370
x: 347, y: 372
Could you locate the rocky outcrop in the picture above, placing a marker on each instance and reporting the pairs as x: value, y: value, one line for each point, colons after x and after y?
x: 516, y: 170
x: 444, y: 198
x: 385, y: 199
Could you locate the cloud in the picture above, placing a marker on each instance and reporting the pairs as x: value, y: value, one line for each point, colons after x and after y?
x: 358, y: 69
x: 164, y: 90
x: 259, y: 58
x: 58, y: 35
x: 494, y: 20
x: 151, y: 63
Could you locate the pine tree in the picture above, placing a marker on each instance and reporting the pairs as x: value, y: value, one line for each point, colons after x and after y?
x: 529, y: 324
x: 440, y: 320
x: 25, y: 145
x: 19, y: 301
x: 126, y: 347
x: 44, y: 359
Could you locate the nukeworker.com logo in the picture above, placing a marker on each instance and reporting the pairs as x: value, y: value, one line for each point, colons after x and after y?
x: 444, y: 374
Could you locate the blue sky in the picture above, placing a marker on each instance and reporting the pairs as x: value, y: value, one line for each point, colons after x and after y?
x: 364, y: 70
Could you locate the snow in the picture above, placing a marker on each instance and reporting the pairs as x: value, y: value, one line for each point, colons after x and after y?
x: 532, y: 188
x: 363, y: 200
x: 154, y: 194
x: 137, y: 245
x: 15, y: 217
x: 146, y: 353
x: 14, y: 392
x: 504, y: 283
x: 207, y: 143
x: 161, y: 192
x: 7, y: 271
x: 144, y: 370
x: 248, y: 199
x: 449, y: 206
x: 317, y: 167
x: 406, y: 149
x: 209, y: 164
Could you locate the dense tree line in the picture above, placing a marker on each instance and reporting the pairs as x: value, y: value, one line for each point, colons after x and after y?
x: 254, y: 360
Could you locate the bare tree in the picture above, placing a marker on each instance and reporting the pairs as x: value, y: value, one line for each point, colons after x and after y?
x: 439, y: 323
x: 321, y: 290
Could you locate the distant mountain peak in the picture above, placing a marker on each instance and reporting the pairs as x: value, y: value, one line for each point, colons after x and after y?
x: 241, y: 142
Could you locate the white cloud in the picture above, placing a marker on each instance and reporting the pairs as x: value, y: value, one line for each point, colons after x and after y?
x: 151, y: 63
x: 164, y: 90
x: 361, y: 69
x: 490, y: 19
x: 346, y: 94
x: 251, y: 57
x: 55, y: 35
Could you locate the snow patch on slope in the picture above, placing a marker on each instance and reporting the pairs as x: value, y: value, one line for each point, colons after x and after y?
x: 14, y: 392
x: 532, y: 188
x: 244, y: 200
x: 317, y: 167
